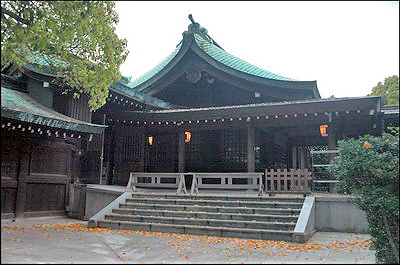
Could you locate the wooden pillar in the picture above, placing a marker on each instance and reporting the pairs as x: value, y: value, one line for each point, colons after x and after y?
x: 251, y: 163
x: 301, y: 153
x: 102, y: 152
x: 23, y: 164
x: 294, y: 157
x: 181, y: 152
x: 332, y: 140
x: 21, y: 192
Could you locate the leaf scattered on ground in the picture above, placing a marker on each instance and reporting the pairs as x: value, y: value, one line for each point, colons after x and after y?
x: 178, y: 240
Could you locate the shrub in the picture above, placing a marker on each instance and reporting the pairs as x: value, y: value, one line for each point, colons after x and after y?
x: 368, y: 167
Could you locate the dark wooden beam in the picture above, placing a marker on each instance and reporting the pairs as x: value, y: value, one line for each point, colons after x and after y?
x: 251, y: 164
x: 181, y: 151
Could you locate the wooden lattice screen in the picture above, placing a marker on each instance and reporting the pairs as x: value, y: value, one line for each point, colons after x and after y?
x: 284, y: 181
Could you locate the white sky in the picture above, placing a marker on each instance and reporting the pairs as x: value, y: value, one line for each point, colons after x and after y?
x: 348, y: 47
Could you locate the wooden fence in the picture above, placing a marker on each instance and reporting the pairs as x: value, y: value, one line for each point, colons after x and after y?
x: 284, y: 181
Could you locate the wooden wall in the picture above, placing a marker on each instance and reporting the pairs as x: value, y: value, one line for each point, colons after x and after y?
x: 74, y: 108
x: 35, y: 174
x: 9, y: 175
x: 125, y: 149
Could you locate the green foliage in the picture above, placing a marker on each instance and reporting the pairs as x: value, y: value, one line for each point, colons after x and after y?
x: 388, y: 91
x: 369, y: 167
x: 76, y: 40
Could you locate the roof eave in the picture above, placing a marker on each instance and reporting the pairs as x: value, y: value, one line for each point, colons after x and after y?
x: 322, y: 105
x: 144, y: 87
x: 304, y: 85
x: 50, y: 122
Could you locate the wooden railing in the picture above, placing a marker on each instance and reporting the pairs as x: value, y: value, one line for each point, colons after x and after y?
x: 157, y: 180
x: 284, y: 181
x: 226, y: 181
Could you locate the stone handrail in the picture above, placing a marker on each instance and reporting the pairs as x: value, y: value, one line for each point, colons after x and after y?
x: 156, y: 181
x: 227, y: 177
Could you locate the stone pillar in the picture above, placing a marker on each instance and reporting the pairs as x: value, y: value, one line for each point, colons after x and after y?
x: 251, y: 163
x: 181, y: 152
x: 294, y: 157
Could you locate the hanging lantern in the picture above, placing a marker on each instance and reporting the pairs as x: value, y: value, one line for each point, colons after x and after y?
x: 188, y: 136
x: 323, y: 130
x: 150, y: 140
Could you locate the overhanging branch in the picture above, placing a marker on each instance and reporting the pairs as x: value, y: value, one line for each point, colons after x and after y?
x: 16, y: 17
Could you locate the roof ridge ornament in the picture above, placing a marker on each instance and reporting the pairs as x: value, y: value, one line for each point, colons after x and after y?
x: 195, y: 28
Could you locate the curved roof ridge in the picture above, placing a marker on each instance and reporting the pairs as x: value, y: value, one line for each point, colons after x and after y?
x: 146, y: 76
x: 234, y: 62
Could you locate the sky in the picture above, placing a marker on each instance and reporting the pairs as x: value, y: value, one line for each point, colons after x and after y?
x: 347, y: 47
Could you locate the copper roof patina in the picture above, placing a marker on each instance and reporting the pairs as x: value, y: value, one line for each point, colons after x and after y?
x: 197, y: 38
x: 133, y: 84
x: 233, y: 62
x: 20, y: 106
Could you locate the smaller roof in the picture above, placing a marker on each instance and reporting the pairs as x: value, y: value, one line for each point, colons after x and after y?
x: 20, y: 106
x: 259, y: 109
x: 43, y: 64
x: 122, y: 87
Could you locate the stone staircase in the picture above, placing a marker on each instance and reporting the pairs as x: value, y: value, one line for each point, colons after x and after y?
x: 267, y: 218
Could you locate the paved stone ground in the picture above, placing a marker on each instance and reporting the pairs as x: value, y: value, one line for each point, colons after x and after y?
x: 66, y: 240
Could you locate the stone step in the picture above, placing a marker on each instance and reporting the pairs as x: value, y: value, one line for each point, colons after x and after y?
x: 272, y: 204
x: 252, y: 197
x: 249, y: 233
x: 215, y: 209
x: 207, y: 215
x: 203, y: 222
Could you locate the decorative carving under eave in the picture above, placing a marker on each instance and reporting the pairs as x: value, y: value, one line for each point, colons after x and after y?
x: 193, y: 74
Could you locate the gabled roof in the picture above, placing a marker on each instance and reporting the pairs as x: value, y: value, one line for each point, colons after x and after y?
x: 233, y: 62
x: 137, y: 82
x: 197, y: 39
x: 20, y: 106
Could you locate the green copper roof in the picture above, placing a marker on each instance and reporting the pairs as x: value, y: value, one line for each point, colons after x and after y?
x: 211, y: 49
x: 231, y: 61
x: 20, y: 106
x: 122, y: 87
x: 155, y: 70
x: 44, y: 64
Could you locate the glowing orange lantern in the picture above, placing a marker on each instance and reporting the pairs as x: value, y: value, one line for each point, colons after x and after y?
x: 323, y: 130
x: 150, y: 140
x: 188, y: 136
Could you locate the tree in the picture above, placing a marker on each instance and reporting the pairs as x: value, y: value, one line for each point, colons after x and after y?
x: 76, y: 40
x: 388, y: 91
x: 369, y: 167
